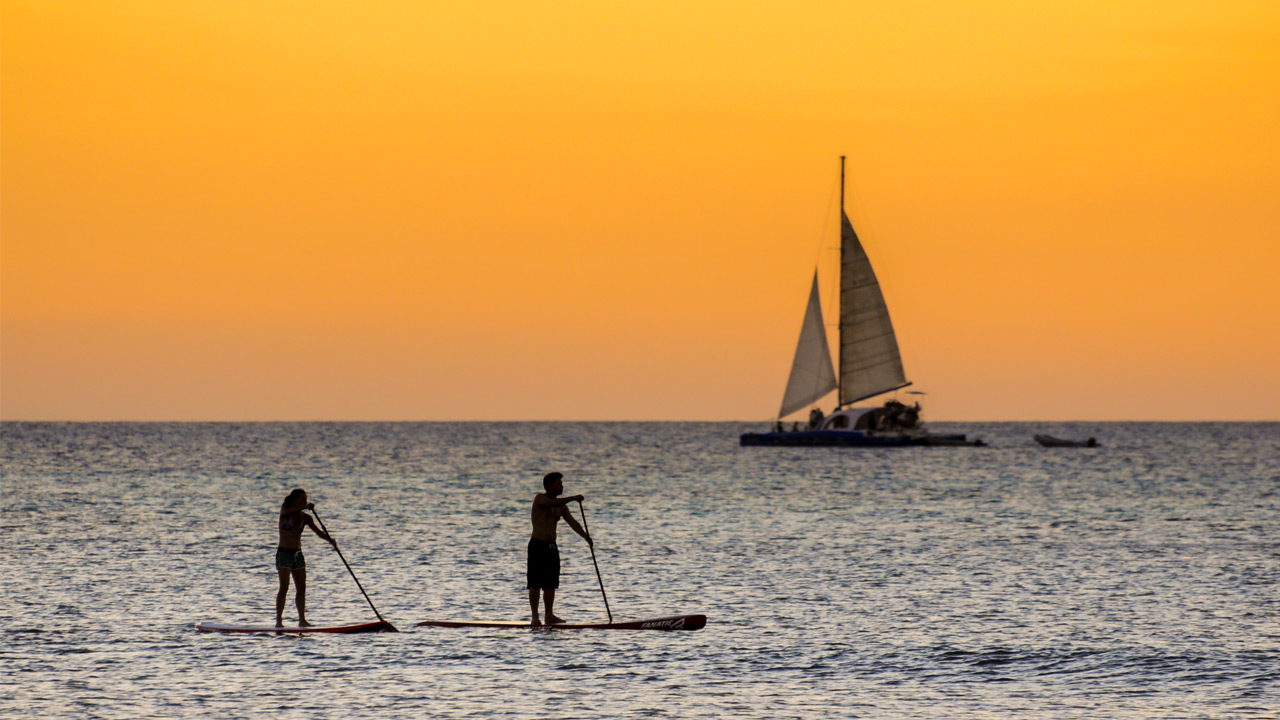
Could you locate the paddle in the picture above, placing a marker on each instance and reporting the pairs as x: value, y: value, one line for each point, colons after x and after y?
x: 593, y: 561
x: 390, y: 627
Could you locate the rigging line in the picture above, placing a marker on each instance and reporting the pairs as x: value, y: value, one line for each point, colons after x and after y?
x: 830, y: 298
x: 823, y: 238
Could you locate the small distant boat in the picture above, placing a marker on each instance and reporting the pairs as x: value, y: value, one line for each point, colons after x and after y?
x: 1051, y: 441
x: 674, y: 622
x: 869, y: 365
x: 378, y: 626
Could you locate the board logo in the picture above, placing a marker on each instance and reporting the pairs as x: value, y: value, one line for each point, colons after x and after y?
x: 673, y: 624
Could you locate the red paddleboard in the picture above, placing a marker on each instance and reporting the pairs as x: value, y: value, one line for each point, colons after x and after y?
x: 673, y: 622
x: 361, y: 628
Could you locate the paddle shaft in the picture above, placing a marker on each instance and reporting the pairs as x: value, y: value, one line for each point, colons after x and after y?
x: 593, y: 561
x: 353, y: 574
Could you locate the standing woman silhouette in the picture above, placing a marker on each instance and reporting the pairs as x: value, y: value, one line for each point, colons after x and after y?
x: 289, y: 559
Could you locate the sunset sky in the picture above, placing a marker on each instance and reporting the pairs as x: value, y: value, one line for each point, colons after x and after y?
x: 503, y: 210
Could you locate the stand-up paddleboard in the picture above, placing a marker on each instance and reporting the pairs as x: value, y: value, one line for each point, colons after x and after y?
x: 379, y: 626
x: 674, y: 622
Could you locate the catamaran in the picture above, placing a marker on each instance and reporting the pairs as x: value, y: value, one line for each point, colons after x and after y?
x: 869, y: 366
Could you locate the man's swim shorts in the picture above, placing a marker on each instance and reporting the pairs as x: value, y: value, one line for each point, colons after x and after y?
x: 544, y: 565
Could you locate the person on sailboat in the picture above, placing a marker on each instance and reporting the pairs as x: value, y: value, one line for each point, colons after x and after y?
x: 543, y: 571
x: 289, y: 559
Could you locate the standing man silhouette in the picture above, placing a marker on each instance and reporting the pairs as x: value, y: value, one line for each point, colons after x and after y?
x: 544, y: 556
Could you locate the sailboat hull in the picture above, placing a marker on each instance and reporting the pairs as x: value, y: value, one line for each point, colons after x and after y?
x: 823, y: 438
x: 852, y: 438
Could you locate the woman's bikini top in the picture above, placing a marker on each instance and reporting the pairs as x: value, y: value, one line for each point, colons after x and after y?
x: 287, y: 522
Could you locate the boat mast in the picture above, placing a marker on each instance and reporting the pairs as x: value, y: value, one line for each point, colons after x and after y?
x: 840, y: 326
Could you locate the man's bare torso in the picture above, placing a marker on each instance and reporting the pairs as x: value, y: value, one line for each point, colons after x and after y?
x: 545, y: 519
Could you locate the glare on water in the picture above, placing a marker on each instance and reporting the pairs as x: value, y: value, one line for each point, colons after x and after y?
x: 1138, y: 579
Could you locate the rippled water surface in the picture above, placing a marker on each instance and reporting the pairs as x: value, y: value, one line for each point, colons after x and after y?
x: 1136, y: 580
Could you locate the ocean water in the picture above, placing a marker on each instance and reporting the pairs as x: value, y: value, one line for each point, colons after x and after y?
x: 1135, y: 580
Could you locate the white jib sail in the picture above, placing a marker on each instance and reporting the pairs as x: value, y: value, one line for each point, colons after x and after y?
x: 869, y: 360
x: 812, y: 374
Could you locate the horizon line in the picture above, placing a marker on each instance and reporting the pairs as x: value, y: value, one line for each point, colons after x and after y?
x: 420, y: 422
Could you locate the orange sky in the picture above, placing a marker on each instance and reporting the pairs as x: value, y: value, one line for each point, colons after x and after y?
x: 504, y: 210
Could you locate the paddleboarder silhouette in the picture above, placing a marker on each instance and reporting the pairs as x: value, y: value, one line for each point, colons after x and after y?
x: 289, y: 560
x: 544, y: 557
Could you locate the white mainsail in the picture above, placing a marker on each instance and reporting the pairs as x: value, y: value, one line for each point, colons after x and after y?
x: 869, y: 360
x: 812, y: 374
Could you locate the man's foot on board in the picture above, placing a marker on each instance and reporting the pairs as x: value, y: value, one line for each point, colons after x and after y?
x: 303, y: 623
x: 553, y: 620
x: 536, y: 622
x: 279, y: 623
